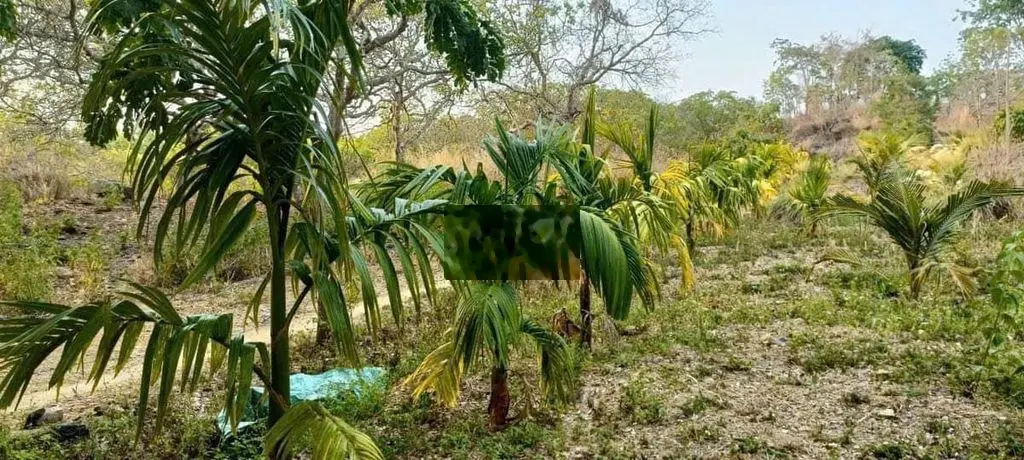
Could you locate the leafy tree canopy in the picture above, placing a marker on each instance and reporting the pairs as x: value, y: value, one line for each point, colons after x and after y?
x: 998, y: 13
x: 715, y: 116
x: 907, y: 52
x: 471, y: 47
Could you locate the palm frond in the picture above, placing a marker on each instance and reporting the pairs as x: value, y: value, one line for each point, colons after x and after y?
x: 177, y: 347
x: 440, y: 372
x: 559, y: 379
x: 308, y: 424
x: 604, y: 259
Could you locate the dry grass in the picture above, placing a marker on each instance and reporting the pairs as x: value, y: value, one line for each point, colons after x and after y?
x: 456, y: 156
x: 998, y: 162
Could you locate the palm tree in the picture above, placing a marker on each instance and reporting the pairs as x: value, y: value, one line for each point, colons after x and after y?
x: 370, y: 232
x: 807, y: 195
x: 610, y: 259
x: 221, y: 97
x: 488, y: 322
x: 640, y: 207
x: 926, y: 232
x: 880, y: 153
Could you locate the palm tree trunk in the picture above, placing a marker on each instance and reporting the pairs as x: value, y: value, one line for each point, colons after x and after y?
x: 586, y: 315
x: 323, y: 330
x: 500, y: 399
x: 280, y: 367
x: 690, y: 243
x: 915, y: 280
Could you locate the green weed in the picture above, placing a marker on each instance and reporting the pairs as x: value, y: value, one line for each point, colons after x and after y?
x: 640, y: 405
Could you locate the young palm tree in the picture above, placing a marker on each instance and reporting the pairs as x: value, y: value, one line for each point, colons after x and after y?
x: 640, y: 207
x: 807, y: 195
x: 488, y: 323
x: 611, y: 262
x: 881, y: 153
x: 609, y: 259
x: 222, y: 99
x: 926, y: 232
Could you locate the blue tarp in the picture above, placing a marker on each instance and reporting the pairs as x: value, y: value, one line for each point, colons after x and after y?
x: 305, y: 387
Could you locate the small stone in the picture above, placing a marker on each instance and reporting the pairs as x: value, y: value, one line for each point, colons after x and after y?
x: 44, y: 416
x: 885, y: 413
x: 63, y: 273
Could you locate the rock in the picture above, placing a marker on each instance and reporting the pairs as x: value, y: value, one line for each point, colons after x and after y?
x: 63, y: 273
x: 70, y: 433
x: 885, y: 413
x: 44, y: 416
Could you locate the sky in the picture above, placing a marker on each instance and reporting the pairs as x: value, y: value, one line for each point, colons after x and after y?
x: 737, y: 56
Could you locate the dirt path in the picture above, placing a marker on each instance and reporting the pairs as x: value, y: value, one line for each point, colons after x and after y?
x: 77, y: 396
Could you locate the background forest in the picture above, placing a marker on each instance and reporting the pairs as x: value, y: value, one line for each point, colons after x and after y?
x: 201, y: 197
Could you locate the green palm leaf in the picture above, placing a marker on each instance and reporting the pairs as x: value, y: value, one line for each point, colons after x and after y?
x: 329, y: 437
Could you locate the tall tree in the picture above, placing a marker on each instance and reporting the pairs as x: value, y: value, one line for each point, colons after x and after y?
x: 407, y: 86
x: 557, y: 49
x: 45, y: 65
x: 907, y: 52
x: 997, y: 32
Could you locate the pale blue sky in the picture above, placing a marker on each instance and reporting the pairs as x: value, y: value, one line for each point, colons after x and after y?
x: 738, y: 56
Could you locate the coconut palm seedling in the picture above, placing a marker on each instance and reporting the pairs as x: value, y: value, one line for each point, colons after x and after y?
x: 924, y: 230
x: 221, y: 98
x: 807, y: 196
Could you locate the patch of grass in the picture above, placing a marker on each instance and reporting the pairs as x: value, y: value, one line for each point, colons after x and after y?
x: 362, y: 401
x: 751, y: 445
x: 890, y: 451
x: 90, y: 263
x: 735, y: 364
x: 640, y: 405
x: 816, y: 355
x: 699, y: 404
x: 28, y: 256
x: 188, y: 433
x: 690, y: 432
